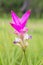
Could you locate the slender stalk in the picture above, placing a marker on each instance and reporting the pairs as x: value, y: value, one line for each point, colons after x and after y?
x: 23, y: 48
x: 25, y: 58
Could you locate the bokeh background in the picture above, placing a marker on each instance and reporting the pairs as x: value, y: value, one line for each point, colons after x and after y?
x: 20, y: 6
x: 11, y: 54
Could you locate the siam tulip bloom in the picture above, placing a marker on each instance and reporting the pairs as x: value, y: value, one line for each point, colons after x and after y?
x: 19, y: 24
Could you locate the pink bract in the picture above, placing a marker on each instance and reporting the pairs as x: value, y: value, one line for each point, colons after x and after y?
x: 19, y: 23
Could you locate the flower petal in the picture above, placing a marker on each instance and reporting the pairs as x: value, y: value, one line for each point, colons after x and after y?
x: 15, y: 18
x: 29, y: 37
x: 25, y: 18
x: 17, y: 40
x: 26, y: 37
x: 16, y: 27
x: 25, y: 29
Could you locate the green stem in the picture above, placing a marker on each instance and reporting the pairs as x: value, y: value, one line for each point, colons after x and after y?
x: 25, y: 58
x: 24, y: 51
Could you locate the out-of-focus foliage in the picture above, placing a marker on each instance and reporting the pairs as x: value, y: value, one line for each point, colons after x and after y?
x: 35, y: 5
x: 11, y: 54
x: 7, y: 5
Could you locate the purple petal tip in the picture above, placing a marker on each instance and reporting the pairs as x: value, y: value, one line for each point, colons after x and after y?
x: 30, y: 37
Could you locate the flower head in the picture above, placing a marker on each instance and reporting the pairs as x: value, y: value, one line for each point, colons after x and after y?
x: 19, y: 23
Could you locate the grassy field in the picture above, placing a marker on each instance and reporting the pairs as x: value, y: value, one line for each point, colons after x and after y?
x: 11, y: 54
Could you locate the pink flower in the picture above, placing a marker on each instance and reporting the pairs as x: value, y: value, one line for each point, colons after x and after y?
x: 19, y: 23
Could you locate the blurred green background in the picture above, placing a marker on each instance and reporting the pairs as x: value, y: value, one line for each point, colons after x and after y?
x: 11, y: 54
x: 19, y: 6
